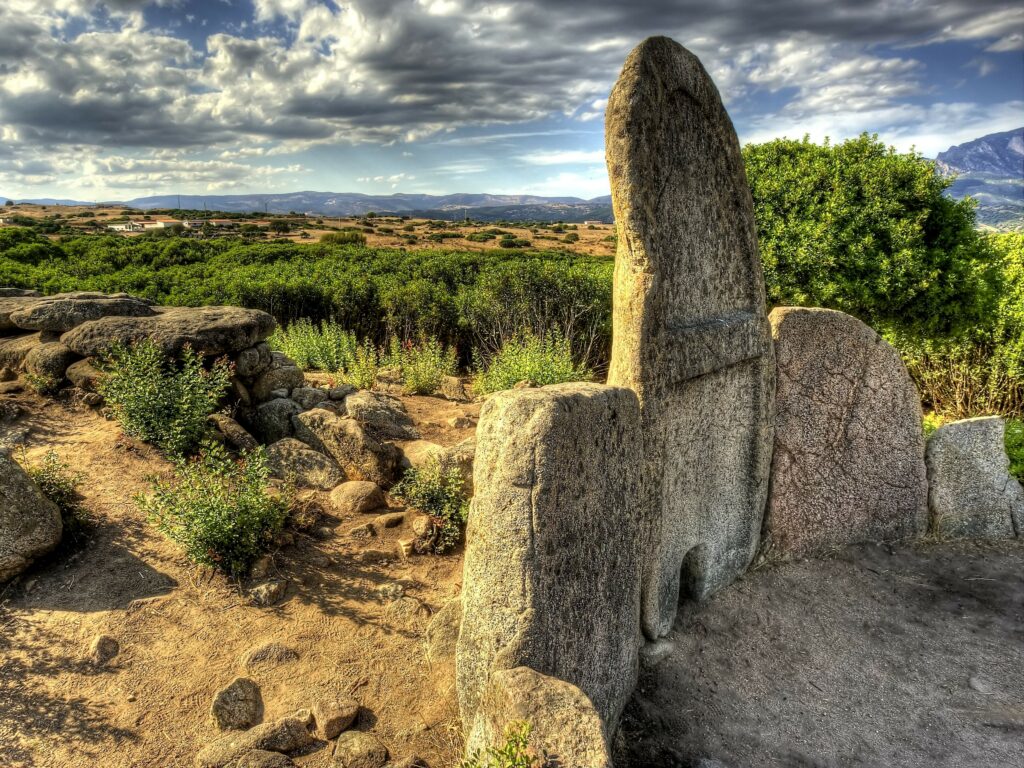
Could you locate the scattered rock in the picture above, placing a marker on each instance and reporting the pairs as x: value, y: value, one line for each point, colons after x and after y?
x: 419, y: 453
x: 356, y: 749
x: 340, y: 392
x: 268, y: 655
x: 343, y: 439
x: 64, y: 311
x: 849, y: 447
x: 334, y: 715
x: 272, y: 420
x: 309, y: 397
x: 84, y: 375
x: 233, y: 432
x: 971, y: 493
x: 252, y: 361
x: 453, y: 388
x: 382, y: 416
x: 269, y: 592
x: 356, y: 497
x: 291, y: 459
x: 49, y: 360
x: 285, y: 735
x: 286, y: 378
x: 207, y: 330
x: 103, y: 649
x: 391, y: 591
x: 364, y: 531
x: 461, y: 422
x: 237, y: 706
x: 92, y: 399
x: 390, y: 520
x: 30, y: 524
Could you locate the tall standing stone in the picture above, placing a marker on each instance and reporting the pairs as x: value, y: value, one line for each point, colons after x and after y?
x: 551, y: 578
x: 849, y: 446
x: 690, y: 333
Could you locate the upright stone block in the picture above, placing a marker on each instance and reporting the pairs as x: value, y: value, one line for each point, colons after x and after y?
x: 690, y: 333
x: 849, y: 446
x: 551, y: 578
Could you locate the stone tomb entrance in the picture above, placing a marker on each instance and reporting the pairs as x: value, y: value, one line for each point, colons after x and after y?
x: 691, y: 335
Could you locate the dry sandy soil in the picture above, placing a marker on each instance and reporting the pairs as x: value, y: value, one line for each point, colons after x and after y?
x: 878, y: 657
x: 183, y: 630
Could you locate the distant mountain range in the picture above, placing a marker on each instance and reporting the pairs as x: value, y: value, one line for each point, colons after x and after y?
x: 991, y: 170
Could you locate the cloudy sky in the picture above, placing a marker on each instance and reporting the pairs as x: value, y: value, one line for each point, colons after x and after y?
x: 103, y: 99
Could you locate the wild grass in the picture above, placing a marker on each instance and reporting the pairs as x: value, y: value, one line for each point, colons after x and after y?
x: 540, y: 360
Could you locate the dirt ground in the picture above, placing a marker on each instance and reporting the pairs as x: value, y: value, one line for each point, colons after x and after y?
x: 183, y: 630
x: 907, y: 657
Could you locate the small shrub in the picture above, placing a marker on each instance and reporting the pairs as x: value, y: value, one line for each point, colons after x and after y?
x: 572, y: 237
x: 930, y: 422
x: 513, y: 242
x: 439, y: 491
x: 362, y: 371
x: 218, y: 510
x: 344, y: 238
x: 514, y: 753
x: 40, y: 383
x: 1015, y: 447
x: 59, y: 484
x: 159, y: 400
x: 539, y: 360
x: 325, y: 347
x: 422, y: 365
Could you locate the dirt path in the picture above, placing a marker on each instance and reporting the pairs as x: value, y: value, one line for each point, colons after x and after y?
x: 182, y: 630
x: 902, y: 659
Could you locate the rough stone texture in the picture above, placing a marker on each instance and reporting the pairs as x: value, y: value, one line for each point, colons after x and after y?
x: 417, y: 454
x: 356, y: 497
x: 50, y: 360
x: 971, y: 493
x: 237, y: 705
x: 103, y: 649
x: 382, y: 416
x: 11, y: 303
x: 453, y: 388
x: 260, y: 758
x: 309, y: 397
x: 442, y: 637
x: 84, y: 375
x: 293, y: 459
x: 286, y: 735
x: 334, y: 715
x: 272, y: 420
x: 7, y: 292
x: 30, y: 524
x: 233, y: 432
x: 551, y: 577
x: 287, y: 377
x: 564, y: 723
x: 849, y: 448
x: 14, y: 350
x: 208, y: 330
x: 356, y: 749
x: 343, y: 439
x: 252, y: 361
x: 64, y: 311
x: 690, y: 335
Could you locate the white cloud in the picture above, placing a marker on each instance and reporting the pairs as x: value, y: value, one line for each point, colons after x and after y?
x: 564, y: 157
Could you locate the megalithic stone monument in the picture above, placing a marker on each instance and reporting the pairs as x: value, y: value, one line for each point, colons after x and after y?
x: 690, y: 332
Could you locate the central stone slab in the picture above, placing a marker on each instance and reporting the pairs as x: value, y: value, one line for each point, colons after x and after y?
x: 691, y: 336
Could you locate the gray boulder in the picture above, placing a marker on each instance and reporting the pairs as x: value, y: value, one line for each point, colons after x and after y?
x: 233, y: 432
x: 237, y: 705
x: 285, y: 378
x: 64, y: 311
x: 309, y: 397
x: 557, y: 480
x: 23, y: 292
x: 357, y: 497
x: 50, y: 361
x: 252, y: 361
x: 14, y: 350
x: 286, y: 735
x: 289, y: 458
x: 207, y: 330
x: 382, y: 416
x: 563, y: 720
x: 9, y: 304
x: 30, y: 524
x: 356, y: 749
x: 848, y: 465
x: 360, y: 456
x: 84, y: 375
x: 971, y: 493
x: 272, y: 420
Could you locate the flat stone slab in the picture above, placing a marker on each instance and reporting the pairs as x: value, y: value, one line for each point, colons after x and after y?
x: 64, y: 311
x: 208, y: 330
x: 690, y: 332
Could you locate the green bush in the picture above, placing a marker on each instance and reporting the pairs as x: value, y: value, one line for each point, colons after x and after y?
x: 438, y: 491
x: 480, y: 237
x: 343, y: 238
x: 323, y: 347
x: 541, y: 360
x: 216, y: 509
x: 514, y: 753
x: 1015, y: 447
x: 59, y: 483
x: 422, y: 365
x: 162, y: 401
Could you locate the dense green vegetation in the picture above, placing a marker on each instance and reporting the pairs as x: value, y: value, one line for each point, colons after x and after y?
x: 540, y: 360
x: 854, y: 226
x: 438, y: 491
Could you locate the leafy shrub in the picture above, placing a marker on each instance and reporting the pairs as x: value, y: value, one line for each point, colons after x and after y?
x: 479, y: 237
x: 513, y: 242
x: 323, y: 347
x: 930, y: 422
x: 572, y: 237
x: 343, y: 238
x: 1015, y: 447
x: 541, y: 360
x: 422, y: 365
x: 365, y: 365
x: 438, y: 491
x: 59, y: 484
x: 40, y: 383
x: 162, y: 401
x: 514, y: 753
x: 216, y: 509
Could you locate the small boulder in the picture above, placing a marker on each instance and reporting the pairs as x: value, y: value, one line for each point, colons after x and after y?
x: 389, y: 520
x: 252, y: 361
x: 233, y: 432
x: 50, y: 361
x: 84, y: 375
x: 103, y: 649
x: 356, y: 497
x: 407, y: 613
x: 292, y: 459
x: 453, y: 388
x: 286, y: 377
x: 30, y: 524
x: 236, y: 706
x: 260, y: 758
x: 340, y: 392
x: 343, y: 439
x: 382, y: 416
x: 356, y: 749
x: 309, y: 397
x: 268, y: 592
x: 272, y: 420
x: 419, y: 453
x: 285, y: 735
x: 14, y: 350
x: 334, y: 715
